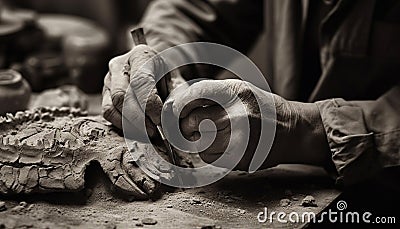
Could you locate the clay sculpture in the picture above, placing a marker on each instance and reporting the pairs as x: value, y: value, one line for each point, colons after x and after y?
x: 48, y: 150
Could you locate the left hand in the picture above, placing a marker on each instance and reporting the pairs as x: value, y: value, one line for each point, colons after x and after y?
x: 299, y: 137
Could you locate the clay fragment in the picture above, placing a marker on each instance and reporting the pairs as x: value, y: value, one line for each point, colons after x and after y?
x: 309, y: 201
x: 48, y: 150
x: 284, y: 202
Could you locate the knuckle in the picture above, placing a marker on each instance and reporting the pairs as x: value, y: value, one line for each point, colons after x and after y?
x: 141, y: 54
x: 112, y: 63
x: 245, y: 88
x: 244, y: 92
x: 116, y: 61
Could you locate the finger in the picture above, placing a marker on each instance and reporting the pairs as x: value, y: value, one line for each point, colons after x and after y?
x: 136, y: 117
x: 141, y: 179
x: 138, y: 176
x: 143, y: 86
x: 203, y: 93
x: 219, y: 145
x: 196, y: 104
x: 125, y: 184
x: 131, y: 114
x: 143, y: 74
x: 110, y: 113
x: 119, y: 71
x: 191, y: 123
x: 151, y: 128
x: 111, y: 165
x: 107, y: 80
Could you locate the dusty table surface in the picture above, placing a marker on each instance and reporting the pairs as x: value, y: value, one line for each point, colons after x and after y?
x: 233, y: 202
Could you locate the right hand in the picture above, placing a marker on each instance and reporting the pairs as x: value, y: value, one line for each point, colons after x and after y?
x: 128, y: 70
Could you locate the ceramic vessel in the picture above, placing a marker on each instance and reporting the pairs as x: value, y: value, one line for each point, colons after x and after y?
x: 15, y: 92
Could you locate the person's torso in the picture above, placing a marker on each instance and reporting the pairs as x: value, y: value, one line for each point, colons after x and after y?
x: 358, y: 46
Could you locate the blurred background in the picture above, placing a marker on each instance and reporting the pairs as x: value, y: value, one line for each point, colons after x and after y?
x: 56, y: 53
x: 47, y: 34
x: 112, y: 16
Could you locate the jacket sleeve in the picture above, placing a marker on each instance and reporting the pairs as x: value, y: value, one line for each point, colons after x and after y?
x: 364, y: 136
x: 235, y: 23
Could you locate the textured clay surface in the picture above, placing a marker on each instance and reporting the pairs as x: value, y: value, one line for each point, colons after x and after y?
x: 48, y: 150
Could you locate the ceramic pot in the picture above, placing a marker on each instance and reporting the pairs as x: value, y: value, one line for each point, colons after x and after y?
x: 15, y: 92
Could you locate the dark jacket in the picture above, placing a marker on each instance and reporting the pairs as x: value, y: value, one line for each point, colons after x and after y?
x: 358, y: 92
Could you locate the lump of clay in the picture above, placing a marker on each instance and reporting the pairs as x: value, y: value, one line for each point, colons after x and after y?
x: 64, y: 96
x: 309, y: 201
x: 48, y: 150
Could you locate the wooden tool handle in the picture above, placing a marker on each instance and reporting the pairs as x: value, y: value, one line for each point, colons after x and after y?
x: 138, y: 36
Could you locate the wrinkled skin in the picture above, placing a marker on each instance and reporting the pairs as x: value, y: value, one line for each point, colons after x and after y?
x: 137, y: 70
x: 298, y: 125
x: 48, y: 150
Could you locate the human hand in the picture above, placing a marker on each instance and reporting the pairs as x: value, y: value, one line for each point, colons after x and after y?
x: 299, y: 135
x: 136, y: 69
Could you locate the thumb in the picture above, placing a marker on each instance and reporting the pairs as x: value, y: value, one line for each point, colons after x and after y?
x: 205, y: 93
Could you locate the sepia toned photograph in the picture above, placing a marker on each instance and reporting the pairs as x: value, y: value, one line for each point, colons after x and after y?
x: 206, y: 114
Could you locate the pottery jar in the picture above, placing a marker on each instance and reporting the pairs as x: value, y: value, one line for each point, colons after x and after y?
x: 15, y: 92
